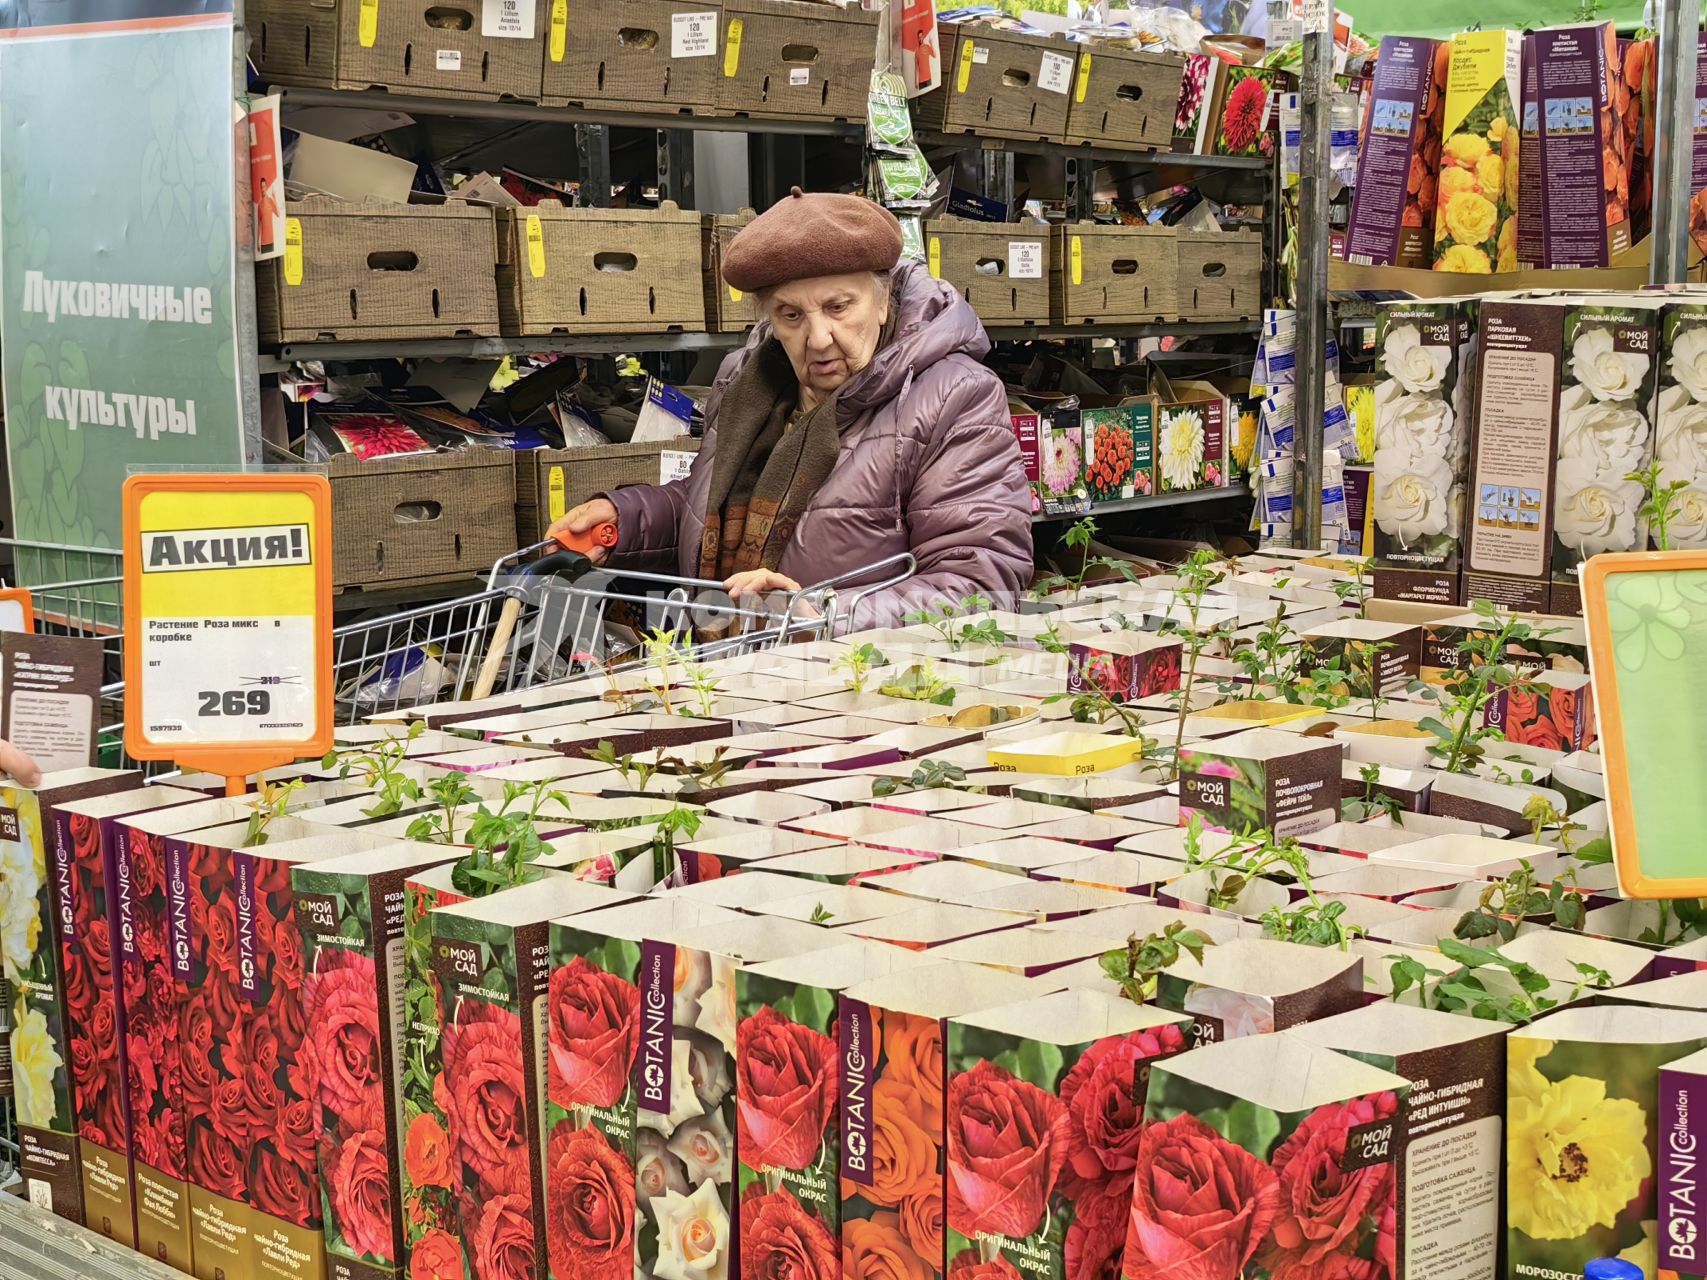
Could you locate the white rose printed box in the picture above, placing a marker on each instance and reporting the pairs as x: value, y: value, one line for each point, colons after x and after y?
x: 1680, y: 445
x: 1422, y: 441
x: 1564, y: 416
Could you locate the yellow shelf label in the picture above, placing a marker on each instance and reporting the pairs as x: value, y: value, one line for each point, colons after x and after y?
x: 293, y: 252
x: 536, y: 247
x: 1084, y: 77
x: 559, y: 29
x: 368, y: 29
x: 735, y: 295
x: 964, y: 76
x: 732, y: 50
x: 1078, y: 256
x: 555, y: 502
x: 935, y: 252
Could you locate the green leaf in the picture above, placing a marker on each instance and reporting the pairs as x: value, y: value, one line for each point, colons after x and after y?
x: 1252, y: 1127
x: 1040, y: 1064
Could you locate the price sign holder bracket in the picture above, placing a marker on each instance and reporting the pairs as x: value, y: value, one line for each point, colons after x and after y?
x: 235, y: 760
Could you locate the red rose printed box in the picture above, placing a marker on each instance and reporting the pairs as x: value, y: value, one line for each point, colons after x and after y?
x: 87, y: 888
x: 630, y: 1071
x: 1125, y: 665
x: 54, y: 1052
x: 894, y: 1089
x: 350, y: 910
x: 1045, y: 1114
x: 1554, y: 711
x: 1265, y: 1157
x: 1448, y: 1148
x: 788, y: 1101
x: 491, y: 959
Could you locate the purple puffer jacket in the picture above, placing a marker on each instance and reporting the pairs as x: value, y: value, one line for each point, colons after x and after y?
x: 928, y: 464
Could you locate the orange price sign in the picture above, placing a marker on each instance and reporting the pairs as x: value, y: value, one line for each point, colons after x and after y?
x: 228, y: 620
x: 17, y: 611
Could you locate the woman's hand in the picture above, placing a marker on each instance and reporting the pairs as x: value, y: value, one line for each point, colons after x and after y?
x: 758, y: 583
x: 583, y: 520
x: 16, y: 764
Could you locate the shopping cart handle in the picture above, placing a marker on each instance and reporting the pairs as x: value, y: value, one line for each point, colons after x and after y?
x: 560, y: 564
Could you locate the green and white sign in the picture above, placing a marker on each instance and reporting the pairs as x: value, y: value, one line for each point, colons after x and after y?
x: 118, y: 253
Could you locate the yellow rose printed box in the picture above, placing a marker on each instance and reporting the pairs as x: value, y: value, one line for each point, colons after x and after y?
x: 1476, y: 195
x: 1583, y: 1106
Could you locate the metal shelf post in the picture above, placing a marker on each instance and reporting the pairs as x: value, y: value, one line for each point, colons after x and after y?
x: 1313, y: 172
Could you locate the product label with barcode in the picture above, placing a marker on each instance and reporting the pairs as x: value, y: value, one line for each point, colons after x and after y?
x: 450, y: 60
x: 507, y: 19
x: 1025, y: 259
x: 693, y: 35
x: 1057, y: 73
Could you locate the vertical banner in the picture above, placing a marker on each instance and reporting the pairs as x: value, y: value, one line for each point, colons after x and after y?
x: 118, y: 253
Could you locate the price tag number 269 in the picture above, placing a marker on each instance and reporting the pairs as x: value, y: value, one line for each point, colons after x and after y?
x: 236, y: 702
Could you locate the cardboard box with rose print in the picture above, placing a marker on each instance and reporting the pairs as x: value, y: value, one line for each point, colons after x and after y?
x: 1582, y: 1088
x: 1045, y: 1113
x: 1475, y: 225
x: 1680, y: 444
x: 1124, y: 665
x: 491, y: 962
x: 1261, y: 779
x: 52, y: 1021
x: 1553, y: 711
x: 788, y: 1099
x: 894, y: 1090
x: 1426, y: 360
x: 88, y: 890
x: 350, y: 910
x: 1288, y: 1149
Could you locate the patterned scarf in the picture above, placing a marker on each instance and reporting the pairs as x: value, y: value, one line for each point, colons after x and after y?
x: 765, y: 471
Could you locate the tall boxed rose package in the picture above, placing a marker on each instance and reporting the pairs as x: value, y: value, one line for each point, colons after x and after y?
x: 1283, y: 1150
x: 1475, y: 222
x: 1045, y: 1115
x: 1680, y: 441
x: 1392, y: 211
x: 1582, y: 1108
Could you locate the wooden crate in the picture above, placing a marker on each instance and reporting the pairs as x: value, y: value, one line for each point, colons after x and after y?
x: 727, y: 309
x: 637, y: 55
x: 1115, y: 275
x: 796, y: 60
x: 420, y: 519
x: 550, y: 482
x: 1124, y: 98
x: 1002, y: 269
x: 600, y: 271
x: 373, y: 270
x: 999, y: 84
x: 1220, y: 275
x: 410, y: 46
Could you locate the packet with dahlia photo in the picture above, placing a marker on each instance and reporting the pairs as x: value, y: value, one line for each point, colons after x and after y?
x: 1061, y: 487
x: 1045, y: 1112
x: 635, y: 1076
x: 1245, y: 122
x: 87, y: 887
x: 894, y: 1091
x: 350, y: 911
x: 1447, y: 1155
x: 1582, y: 1088
x: 51, y: 1041
x: 1266, y: 1157
x: 1191, y: 435
x: 491, y: 962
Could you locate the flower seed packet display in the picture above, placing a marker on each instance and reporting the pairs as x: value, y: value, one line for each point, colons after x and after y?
x: 1392, y: 212
x: 1422, y: 444
x: 1582, y: 177
x: 1448, y: 1153
x: 1261, y: 779
x: 787, y: 1103
x: 1252, y: 986
x: 637, y: 1061
x: 491, y: 960
x: 1124, y: 665
x: 1120, y: 450
x: 1061, y: 486
x: 57, y: 1044
x: 1045, y: 1112
x: 1191, y: 435
x: 1475, y: 224
x: 894, y: 1090
x: 87, y: 889
x: 350, y: 910
x: 1266, y: 1157
x: 1582, y: 1086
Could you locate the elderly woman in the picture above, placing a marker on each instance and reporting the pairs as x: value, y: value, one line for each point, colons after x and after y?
x: 857, y: 422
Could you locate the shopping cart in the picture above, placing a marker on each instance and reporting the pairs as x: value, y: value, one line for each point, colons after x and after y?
x: 546, y: 618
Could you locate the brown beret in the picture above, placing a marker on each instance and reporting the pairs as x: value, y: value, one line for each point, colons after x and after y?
x: 802, y: 236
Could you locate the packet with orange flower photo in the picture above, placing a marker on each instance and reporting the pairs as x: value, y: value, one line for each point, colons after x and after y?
x: 1392, y: 211
x: 1476, y: 195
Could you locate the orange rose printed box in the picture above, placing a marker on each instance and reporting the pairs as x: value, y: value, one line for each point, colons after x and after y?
x: 1448, y: 1148
x: 894, y: 1090
x: 1426, y: 360
x: 1583, y: 1111
x: 491, y: 964
x: 1045, y: 1114
x: 62, y: 1046
x: 91, y: 908
x: 1554, y: 711
x: 1581, y: 183
x: 1392, y: 211
x: 629, y: 1073
x: 1283, y: 1156
x: 1476, y: 196
x: 350, y: 911
x: 788, y: 1102
x: 1125, y: 665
